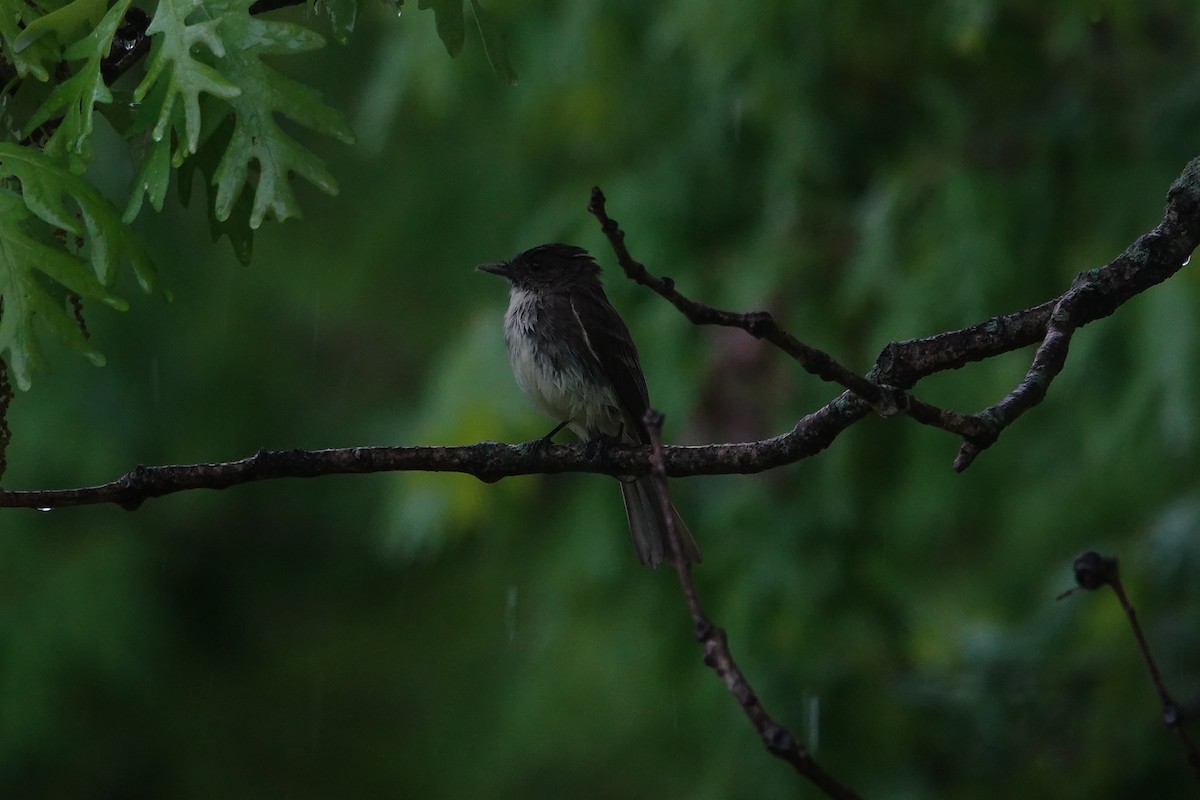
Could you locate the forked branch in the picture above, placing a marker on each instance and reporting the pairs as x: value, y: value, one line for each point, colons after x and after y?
x: 1093, y: 295
x: 885, y: 388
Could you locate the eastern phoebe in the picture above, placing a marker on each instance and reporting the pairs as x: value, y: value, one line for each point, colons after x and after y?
x: 573, y: 358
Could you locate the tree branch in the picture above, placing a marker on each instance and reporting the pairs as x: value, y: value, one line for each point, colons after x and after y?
x: 488, y: 461
x: 1095, y: 294
x: 778, y: 740
x: 759, y: 324
x: 1093, y: 571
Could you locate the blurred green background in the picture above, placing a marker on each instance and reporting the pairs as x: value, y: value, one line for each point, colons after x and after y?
x: 867, y: 171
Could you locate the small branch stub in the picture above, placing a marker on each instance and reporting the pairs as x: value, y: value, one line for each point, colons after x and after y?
x: 1094, y: 571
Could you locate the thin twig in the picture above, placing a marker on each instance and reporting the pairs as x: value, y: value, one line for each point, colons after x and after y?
x: 759, y: 324
x: 779, y: 741
x: 1093, y: 295
x: 1092, y: 571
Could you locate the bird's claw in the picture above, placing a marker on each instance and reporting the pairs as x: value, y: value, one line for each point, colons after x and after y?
x: 598, y: 447
x: 534, y: 446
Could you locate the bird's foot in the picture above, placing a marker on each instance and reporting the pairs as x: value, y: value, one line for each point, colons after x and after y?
x: 533, y: 447
x: 597, y: 447
x: 540, y: 444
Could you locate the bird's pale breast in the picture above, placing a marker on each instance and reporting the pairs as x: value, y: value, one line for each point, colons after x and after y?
x: 555, y: 385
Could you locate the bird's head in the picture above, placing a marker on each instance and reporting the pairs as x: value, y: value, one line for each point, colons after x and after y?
x: 548, y: 267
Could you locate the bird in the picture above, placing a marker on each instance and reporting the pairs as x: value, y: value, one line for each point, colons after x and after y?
x: 573, y: 358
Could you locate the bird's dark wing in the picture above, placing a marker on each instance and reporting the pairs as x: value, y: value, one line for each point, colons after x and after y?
x: 611, y: 345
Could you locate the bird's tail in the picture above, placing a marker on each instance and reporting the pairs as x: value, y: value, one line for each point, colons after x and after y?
x: 647, y: 527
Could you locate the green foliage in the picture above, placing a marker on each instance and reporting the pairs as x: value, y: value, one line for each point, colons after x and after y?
x: 259, y: 153
x: 342, y: 14
x: 185, y: 76
x: 257, y: 137
x: 206, y: 104
x: 74, y: 99
x: 450, y: 26
x: 54, y: 202
x: 34, y: 61
x: 451, y: 29
x: 493, y: 43
x: 236, y: 226
x: 67, y: 24
x: 867, y: 172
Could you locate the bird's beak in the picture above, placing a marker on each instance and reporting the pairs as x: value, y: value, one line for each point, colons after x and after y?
x: 499, y: 268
